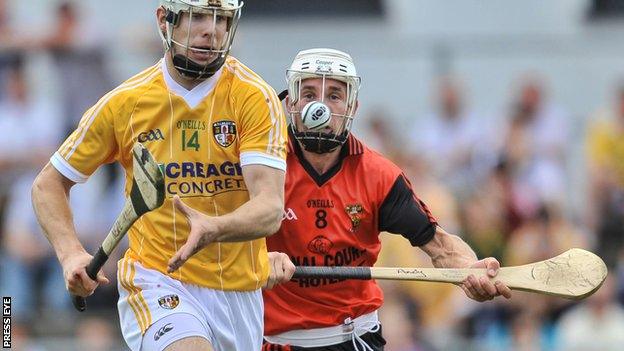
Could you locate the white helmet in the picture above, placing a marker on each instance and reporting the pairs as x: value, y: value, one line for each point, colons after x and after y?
x: 325, y: 64
x: 231, y: 9
x: 184, y: 5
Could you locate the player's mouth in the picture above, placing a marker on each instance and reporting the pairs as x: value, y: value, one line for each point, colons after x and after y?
x: 202, y: 54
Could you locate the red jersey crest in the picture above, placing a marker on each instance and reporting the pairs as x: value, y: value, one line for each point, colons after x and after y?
x: 355, y: 213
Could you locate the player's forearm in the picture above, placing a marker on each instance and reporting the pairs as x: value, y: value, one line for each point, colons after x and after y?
x: 50, y: 199
x: 259, y: 217
x: 449, y: 251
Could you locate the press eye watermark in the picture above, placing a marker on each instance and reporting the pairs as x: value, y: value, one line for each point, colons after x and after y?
x: 6, y: 322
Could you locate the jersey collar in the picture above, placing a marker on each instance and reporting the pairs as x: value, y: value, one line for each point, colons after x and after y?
x: 351, y: 148
x: 194, y: 96
x: 355, y: 145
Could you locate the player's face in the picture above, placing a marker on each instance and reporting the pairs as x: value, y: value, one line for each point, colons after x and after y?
x: 201, y: 31
x: 334, y: 95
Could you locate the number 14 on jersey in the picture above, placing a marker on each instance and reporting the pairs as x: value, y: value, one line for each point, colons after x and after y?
x: 191, y: 142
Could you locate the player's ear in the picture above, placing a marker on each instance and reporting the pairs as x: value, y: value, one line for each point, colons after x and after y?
x: 357, y: 104
x: 289, y: 104
x: 161, y: 16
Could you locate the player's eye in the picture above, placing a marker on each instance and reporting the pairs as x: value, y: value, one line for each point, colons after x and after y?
x: 335, y: 97
x: 198, y: 16
x: 308, y: 96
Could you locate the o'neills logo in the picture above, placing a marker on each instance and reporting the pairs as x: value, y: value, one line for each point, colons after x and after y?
x: 224, y: 132
x: 169, y: 301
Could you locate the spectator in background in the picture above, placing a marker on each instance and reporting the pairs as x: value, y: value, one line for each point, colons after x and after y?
x: 596, y: 324
x: 383, y: 138
x: 521, y: 324
x: 10, y: 56
x: 78, y: 53
x: 533, y: 145
x: 9, y: 47
x: 544, y: 235
x: 5, y: 29
x: 31, y: 130
x: 605, y: 158
x: 400, y: 316
x: 28, y: 130
x: 487, y: 213
x: 447, y: 136
x: 527, y: 321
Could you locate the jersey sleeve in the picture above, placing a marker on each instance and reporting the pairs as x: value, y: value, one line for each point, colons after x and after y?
x: 263, y: 133
x: 403, y: 213
x: 92, y: 144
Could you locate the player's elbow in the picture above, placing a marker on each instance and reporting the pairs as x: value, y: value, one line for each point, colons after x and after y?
x: 274, y: 217
x: 37, y: 192
x: 39, y: 185
x: 49, y: 180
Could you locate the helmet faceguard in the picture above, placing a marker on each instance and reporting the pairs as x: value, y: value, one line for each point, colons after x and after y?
x: 324, y: 64
x: 199, y: 10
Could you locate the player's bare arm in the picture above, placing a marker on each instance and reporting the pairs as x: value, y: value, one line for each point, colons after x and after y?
x: 450, y: 251
x: 259, y: 217
x: 50, y: 198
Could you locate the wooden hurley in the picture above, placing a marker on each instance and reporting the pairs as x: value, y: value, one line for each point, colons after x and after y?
x: 574, y: 274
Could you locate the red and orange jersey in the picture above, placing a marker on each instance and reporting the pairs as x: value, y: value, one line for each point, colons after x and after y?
x: 335, y: 219
x: 202, y: 139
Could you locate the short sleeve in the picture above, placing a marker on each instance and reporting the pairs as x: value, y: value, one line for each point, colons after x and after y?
x: 403, y: 213
x: 92, y: 144
x: 263, y: 133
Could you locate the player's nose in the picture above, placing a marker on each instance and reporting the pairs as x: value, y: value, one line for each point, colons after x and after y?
x: 207, y: 26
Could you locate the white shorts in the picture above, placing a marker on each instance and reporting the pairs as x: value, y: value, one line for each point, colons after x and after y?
x: 230, y: 320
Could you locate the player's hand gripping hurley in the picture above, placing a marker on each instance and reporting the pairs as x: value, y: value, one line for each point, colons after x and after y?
x: 574, y: 274
x: 147, y: 193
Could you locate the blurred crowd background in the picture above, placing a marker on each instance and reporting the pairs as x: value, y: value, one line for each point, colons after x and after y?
x: 507, y: 116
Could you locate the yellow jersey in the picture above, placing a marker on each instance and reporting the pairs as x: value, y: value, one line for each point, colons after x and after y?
x: 201, y: 139
x: 605, y: 145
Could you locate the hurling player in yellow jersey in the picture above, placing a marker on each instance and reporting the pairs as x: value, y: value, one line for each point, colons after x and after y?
x: 218, y: 132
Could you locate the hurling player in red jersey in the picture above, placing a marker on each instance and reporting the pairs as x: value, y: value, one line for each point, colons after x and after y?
x: 339, y: 196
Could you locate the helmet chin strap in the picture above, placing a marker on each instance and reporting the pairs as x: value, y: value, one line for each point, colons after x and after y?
x: 319, y: 143
x: 191, y: 69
